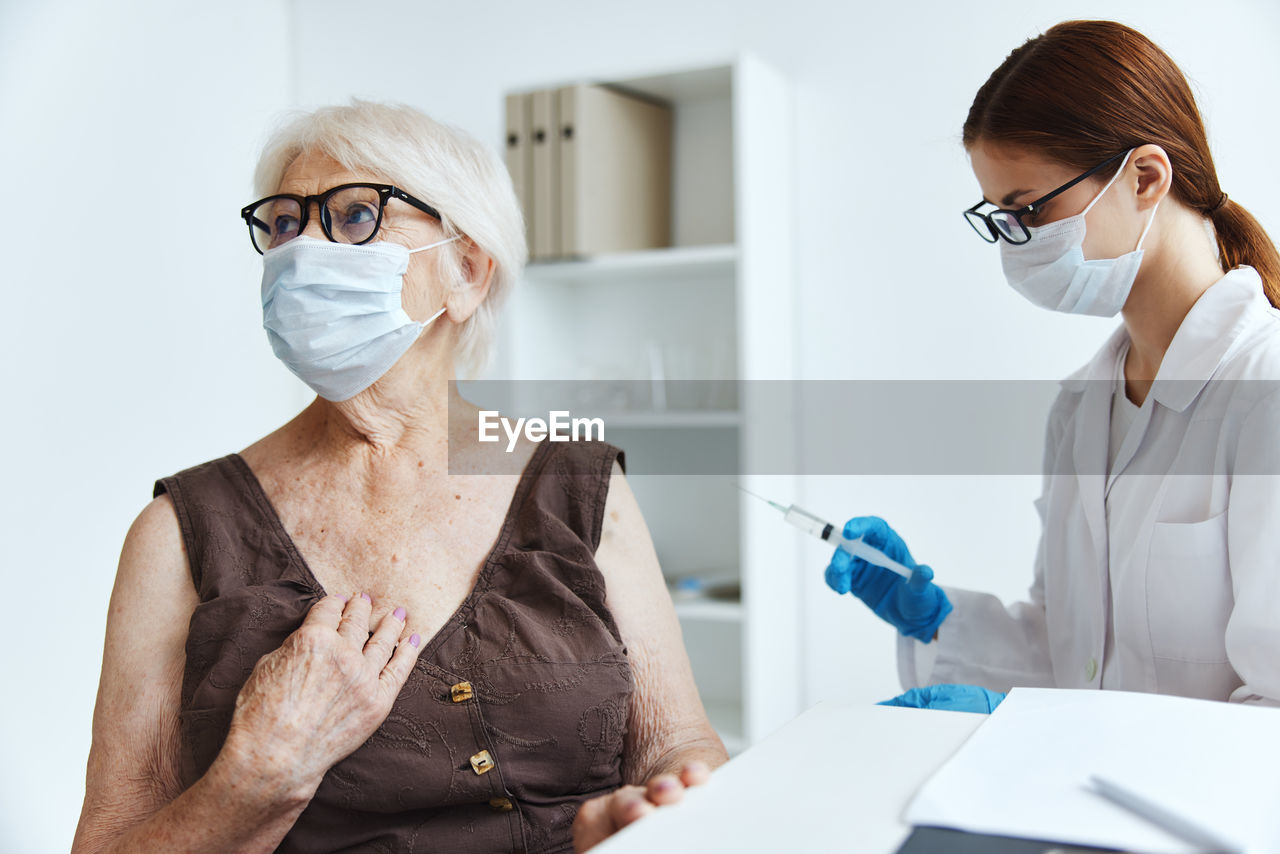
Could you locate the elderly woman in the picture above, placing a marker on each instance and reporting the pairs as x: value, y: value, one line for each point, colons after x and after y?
x: 338, y: 639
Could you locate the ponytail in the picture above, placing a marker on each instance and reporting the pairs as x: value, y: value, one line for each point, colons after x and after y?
x: 1086, y: 90
x: 1242, y: 240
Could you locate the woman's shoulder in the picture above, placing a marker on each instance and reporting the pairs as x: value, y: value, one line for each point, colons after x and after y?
x: 586, y: 458
x: 156, y: 526
x: 153, y: 556
x: 1256, y: 354
x: 216, y: 469
x: 574, y: 465
x: 570, y: 483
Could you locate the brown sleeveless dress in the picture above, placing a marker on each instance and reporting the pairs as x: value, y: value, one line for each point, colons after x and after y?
x: 515, y: 712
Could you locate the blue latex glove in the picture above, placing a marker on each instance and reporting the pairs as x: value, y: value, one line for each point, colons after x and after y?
x: 954, y: 698
x: 916, y: 606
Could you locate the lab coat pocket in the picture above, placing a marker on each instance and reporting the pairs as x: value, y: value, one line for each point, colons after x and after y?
x: 1189, y: 598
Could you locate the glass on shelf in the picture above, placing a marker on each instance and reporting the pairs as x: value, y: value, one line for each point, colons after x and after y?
x: 716, y: 587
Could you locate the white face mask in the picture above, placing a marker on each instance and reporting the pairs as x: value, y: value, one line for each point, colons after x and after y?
x: 332, y: 311
x: 1051, y: 271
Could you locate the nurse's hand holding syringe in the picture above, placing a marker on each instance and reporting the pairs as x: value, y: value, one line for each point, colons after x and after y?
x: 873, y: 563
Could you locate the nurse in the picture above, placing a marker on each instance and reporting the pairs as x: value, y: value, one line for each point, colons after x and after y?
x: 1158, y: 568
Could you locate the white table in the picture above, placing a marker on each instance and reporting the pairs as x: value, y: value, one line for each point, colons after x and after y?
x: 835, y: 778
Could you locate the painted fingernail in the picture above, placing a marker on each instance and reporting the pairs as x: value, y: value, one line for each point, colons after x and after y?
x: 415, y: 640
x: 398, y: 613
x: 344, y: 599
x: 366, y: 596
x: 664, y: 785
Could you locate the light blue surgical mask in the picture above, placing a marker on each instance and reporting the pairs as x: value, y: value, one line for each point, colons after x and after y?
x: 333, y: 314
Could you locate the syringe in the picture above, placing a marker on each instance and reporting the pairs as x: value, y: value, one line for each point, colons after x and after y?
x: 824, y: 530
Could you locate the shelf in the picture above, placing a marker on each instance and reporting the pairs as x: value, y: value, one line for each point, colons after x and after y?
x: 676, y: 261
x: 711, y: 418
x: 655, y: 330
x: 709, y: 610
x: 696, y: 84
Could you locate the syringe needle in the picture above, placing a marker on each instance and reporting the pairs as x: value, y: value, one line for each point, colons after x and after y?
x: 775, y: 505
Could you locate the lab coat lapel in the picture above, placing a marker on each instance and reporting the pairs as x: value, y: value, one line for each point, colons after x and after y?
x: 1089, y: 446
x: 1197, y: 350
x: 1129, y: 445
x: 1206, y: 334
x: 1089, y: 603
x: 1089, y: 457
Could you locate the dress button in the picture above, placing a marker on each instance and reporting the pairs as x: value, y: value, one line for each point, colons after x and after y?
x: 482, y: 762
x: 502, y: 804
x: 1091, y: 669
x: 461, y: 692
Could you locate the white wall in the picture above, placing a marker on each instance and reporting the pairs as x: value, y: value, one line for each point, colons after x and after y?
x: 131, y: 344
x: 129, y: 354
x: 881, y: 91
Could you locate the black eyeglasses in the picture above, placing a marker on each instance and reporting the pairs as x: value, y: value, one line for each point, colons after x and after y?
x: 1008, y: 225
x: 349, y: 213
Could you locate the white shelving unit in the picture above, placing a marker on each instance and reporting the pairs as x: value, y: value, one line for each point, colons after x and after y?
x: 713, y: 306
x: 709, y: 610
x: 676, y: 261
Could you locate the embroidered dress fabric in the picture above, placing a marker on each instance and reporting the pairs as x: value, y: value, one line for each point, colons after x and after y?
x: 549, y: 675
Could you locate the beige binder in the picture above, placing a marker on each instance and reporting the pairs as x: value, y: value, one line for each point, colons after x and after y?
x: 519, y: 156
x: 615, y: 172
x: 546, y: 176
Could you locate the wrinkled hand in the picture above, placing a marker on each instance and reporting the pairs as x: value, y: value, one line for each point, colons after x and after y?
x: 954, y: 698
x: 600, y: 818
x: 317, y: 698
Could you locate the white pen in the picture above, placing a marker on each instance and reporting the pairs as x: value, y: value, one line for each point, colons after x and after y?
x: 1181, y: 827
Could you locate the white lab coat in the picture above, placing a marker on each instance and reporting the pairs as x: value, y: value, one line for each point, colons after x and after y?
x: 1164, y: 575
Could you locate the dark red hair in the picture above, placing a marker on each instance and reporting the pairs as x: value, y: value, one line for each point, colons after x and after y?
x: 1086, y: 90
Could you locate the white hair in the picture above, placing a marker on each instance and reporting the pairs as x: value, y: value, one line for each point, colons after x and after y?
x: 443, y: 166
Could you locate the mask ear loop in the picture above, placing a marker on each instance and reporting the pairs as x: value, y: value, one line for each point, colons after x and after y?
x: 443, y: 309
x: 1114, y: 178
x: 1150, y: 223
x: 437, y: 243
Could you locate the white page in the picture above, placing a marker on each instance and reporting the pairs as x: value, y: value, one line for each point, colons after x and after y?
x: 1025, y: 771
x: 834, y: 779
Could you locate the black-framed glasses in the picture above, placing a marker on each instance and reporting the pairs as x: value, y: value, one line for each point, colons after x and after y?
x: 349, y: 213
x: 1002, y: 224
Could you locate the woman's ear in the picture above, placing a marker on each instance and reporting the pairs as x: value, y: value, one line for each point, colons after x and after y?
x: 477, y: 269
x: 1154, y: 175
